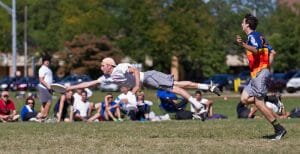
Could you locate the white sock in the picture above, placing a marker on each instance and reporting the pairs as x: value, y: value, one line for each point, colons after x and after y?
x: 196, y: 104
x: 203, y: 86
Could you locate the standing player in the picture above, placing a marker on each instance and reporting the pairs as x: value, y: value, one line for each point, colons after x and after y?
x: 126, y: 74
x: 45, y: 92
x: 258, y: 57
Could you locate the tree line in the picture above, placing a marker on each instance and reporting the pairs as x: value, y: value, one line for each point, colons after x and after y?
x: 200, y: 33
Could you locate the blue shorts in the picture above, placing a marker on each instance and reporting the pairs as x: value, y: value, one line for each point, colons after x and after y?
x: 257, y: 86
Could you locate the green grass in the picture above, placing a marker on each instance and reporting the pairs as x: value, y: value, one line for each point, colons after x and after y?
x: 215, y: 136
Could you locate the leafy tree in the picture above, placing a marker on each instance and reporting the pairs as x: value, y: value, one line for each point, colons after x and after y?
x: 83, y: 55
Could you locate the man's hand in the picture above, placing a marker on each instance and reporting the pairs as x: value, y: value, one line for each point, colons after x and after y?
x: 239, y: 40
x: 135, y: 89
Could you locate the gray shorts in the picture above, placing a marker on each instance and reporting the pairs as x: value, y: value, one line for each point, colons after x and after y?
x: 257, y: 86
x: 44, y: 94
x: 159, y: 80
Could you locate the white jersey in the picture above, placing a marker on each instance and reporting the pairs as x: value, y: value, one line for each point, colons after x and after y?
x: 82, y: 107
x: 202, y: 101
x: 130, y: 97
x: 47, y: 74
x: 121, y: 76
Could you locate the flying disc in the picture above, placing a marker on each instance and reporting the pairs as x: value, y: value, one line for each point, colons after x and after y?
x: 58, y: 88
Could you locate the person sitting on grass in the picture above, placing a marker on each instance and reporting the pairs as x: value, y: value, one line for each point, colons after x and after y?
x: 28, y: 112
x: 110, y: 109
x: 83, y: 108
x: 143, y: 106
x: 63, y: 106
x: 275, y: 105
x: 127, y: 102
x: 8, y: 112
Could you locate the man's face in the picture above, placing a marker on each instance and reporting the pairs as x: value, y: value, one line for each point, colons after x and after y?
x: 105, y: 68
x: 69, y: 94
x: 198, y: 97
x: 5, y: 95
x: 84, y: 96
x: 244, y: 25
x: 124, y: 89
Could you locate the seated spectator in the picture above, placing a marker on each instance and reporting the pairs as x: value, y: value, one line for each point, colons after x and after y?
x: 77, y: 94
x: 127, y: 102
x: 8, y: 112
x: 64, y: 106
x: 244, y: 111
x: 28, y: 113
x: 143, y: 106
x: 82, y: 108
x: 208, y: 104
x: 273, y: 102
x: 170, y: 102
x: 110, y: 109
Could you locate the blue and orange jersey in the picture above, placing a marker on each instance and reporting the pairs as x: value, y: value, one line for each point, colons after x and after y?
x: 260, y: 59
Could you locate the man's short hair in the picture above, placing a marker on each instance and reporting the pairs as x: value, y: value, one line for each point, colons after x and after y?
x: 108, y: 61
x: 198, y: 92
x: 251, y: 20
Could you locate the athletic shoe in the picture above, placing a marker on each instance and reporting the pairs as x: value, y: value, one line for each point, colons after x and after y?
x: 214, y: 89
x: 120, y: 120
x: 279, y: 134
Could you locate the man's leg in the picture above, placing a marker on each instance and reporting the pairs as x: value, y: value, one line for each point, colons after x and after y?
x: 246, y: 99
x: 186, y: 95
x: 279, y: 130
x: 45, y: 108
x: 194, y: 85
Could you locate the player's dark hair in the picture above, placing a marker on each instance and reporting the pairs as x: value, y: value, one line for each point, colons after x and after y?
x: 46, y: 58
x: 251, y: 20
x: 198, y: 92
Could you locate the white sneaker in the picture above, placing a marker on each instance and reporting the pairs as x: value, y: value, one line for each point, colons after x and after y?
x: 214, y: 89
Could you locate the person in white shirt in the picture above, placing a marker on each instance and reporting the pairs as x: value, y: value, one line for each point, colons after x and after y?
x: 44, y: 89
x: 82, y: 108
x: 127, y: 102
x: 207, y: 103
x: 127, y: 74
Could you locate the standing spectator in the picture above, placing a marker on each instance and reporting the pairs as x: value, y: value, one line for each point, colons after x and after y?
x: 110, y: 109
x: 28, y: 113
x: 8, y: 112
x: 64, y: 106
x: 82, y: 107
x: 127, y: 102
x: 259, y: 63
x: 45, y: 91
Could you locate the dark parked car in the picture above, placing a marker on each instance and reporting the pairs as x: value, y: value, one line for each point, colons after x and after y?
x: 75, y: 79
x: 18, y: 84
x: 32, y: 83
x: 222, y: 81
x: 5, y: 83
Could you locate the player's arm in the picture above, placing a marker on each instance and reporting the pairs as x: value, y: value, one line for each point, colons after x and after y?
x: 43, y: 82
x: 84, y: 85
x: 241, y: 42
x: 252, y: 112
x: 272, y: 56
x: 71, y: 113
x: 61, y: 105
x: 136, y: 73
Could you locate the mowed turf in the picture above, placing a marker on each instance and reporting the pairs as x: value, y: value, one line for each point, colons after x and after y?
x: 190, y: 136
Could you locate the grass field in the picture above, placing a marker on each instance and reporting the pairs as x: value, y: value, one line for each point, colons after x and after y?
x: 212, y: 136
